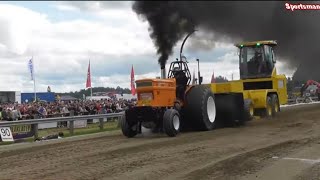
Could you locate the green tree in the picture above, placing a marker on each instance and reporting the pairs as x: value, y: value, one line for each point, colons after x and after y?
x: 87, y: 92
x: 220, y: 79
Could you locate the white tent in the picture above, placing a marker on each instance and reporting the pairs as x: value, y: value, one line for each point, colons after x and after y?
x: 126, y: 96
x: 97, y: 97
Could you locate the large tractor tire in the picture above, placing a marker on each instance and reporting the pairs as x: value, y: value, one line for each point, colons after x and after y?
x: 201, y: 108
x: 128, y: 129
x: 171, y: 122
x: 275, y: 104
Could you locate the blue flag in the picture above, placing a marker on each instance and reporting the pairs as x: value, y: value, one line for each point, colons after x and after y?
x: 30, y: 65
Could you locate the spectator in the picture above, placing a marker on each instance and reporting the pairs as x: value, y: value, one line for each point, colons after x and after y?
x: 16, y: 115
x: 31, y: 110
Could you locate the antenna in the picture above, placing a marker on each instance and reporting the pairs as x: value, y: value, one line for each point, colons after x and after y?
x: 199, y: 77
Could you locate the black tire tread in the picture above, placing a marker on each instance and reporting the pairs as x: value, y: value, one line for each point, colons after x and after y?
x: 265, y: 111
x: 275, y: 102
x: 196, y: 107
x: 168, y: 122
x: 246, y: 107
x: 126, y: 129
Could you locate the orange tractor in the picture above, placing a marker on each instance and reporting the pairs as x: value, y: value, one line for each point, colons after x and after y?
x: 171, y: 104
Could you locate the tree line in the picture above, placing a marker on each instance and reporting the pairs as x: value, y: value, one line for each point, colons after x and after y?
x: 87, y: 92
x: 291, y: 84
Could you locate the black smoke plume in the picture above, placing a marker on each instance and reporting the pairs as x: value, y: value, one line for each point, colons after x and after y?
x: 297, y: 32
x: 167, y: 25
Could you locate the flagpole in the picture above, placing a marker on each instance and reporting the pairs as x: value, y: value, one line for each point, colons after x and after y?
x: 90, y: 80
x: 88, y: 85
x: 34, y: 81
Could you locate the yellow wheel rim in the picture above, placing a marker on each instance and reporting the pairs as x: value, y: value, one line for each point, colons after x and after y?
x: 269, y: 110
x: 276, y: 108
x: 251, y: 110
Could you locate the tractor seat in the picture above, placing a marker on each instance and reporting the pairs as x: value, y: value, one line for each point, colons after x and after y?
x: 181, y: 78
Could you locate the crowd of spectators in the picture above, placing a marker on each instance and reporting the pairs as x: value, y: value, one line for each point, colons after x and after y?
x: 34, y: 110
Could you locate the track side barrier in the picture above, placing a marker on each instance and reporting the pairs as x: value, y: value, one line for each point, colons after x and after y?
x: 29, y: 128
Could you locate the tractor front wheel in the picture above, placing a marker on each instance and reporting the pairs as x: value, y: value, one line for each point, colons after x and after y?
x: 268, y: 112
x: 248, y: 112
x: 275, y: 104
x: 128, y: 129
x: 171, y: 122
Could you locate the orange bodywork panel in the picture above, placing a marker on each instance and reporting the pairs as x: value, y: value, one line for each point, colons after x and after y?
x: 156, y: 92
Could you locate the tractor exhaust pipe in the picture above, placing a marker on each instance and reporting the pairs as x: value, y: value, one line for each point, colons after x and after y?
x: 163, y: 73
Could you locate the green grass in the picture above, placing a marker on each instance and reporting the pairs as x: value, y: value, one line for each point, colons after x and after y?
x: 90, y: 129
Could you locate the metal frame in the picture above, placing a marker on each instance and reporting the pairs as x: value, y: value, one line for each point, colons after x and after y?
x: 183, y: 66
x: 59, y: 119
x: 181, y: 63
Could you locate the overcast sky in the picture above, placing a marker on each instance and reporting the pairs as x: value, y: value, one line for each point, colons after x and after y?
x: 63, y: 36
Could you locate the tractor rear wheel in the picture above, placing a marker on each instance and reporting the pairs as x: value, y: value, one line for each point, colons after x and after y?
x: 201, y: 108
x: 128, y: 129
x: 171, y: 122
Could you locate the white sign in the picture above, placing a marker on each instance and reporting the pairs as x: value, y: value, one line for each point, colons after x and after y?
x: 6, y: 134
x: 47, y: 125
x: 79, y: 124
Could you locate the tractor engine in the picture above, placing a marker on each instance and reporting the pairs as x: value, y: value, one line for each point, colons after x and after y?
x: 154, y: 96
x: 156, y: 92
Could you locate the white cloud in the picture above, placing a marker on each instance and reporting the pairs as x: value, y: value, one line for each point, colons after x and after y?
x: 66, y: 7
x: 61, y: 49
x: 92, y: 6
x: 122, y: 80
x: 225, y: 66
x: 17, y: 25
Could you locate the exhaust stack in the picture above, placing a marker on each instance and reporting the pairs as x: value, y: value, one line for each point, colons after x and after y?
x: 163, y: 73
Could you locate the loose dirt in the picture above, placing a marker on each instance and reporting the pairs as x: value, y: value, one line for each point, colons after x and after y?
x: 231, y: 153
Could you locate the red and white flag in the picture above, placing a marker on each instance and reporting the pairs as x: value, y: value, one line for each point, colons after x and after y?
x: 133, y: 88
x: 88, y: 85
x: 213, y: 80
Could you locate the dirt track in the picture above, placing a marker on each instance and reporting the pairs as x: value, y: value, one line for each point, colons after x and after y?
x: 260, y: 150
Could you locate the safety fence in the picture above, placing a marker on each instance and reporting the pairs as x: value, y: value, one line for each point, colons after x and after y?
x: 28, y: 128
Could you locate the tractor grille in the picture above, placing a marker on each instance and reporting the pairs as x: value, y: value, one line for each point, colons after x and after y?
x: 144, y: 84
